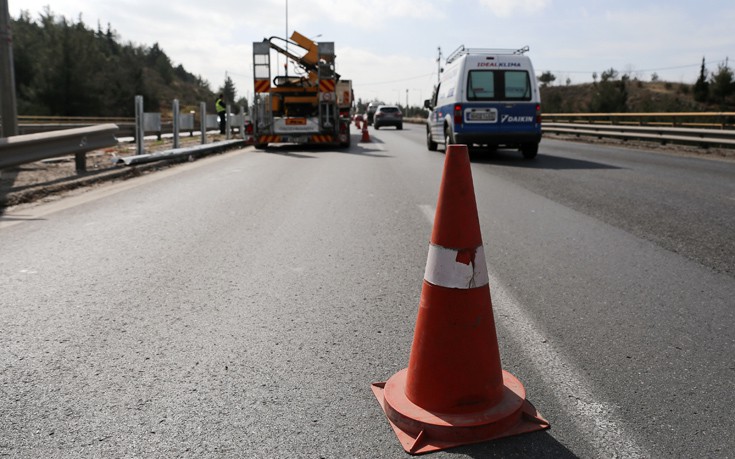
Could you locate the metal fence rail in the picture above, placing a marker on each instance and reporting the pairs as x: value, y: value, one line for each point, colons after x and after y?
x: 43, y: 137
x: 704, y: 129
x: 22, y: 149
x: 712, y: 120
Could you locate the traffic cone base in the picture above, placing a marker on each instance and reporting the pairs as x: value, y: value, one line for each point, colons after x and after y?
x: 421, y: 431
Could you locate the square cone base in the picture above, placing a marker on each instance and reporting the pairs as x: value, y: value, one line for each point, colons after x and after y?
x: 427, y: 437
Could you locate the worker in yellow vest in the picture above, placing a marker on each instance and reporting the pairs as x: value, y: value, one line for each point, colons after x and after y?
x: 221, y: 108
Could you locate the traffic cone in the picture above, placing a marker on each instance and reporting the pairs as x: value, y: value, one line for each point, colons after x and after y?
x: 454, y: 391
x: 365, y: 133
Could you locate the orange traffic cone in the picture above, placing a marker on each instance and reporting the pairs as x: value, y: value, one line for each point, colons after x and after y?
x: 365, y: 134
x: 454, y: 391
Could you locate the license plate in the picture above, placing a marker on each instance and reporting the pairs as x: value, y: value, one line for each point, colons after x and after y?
x: 295, y: 121
x: 484, y: 115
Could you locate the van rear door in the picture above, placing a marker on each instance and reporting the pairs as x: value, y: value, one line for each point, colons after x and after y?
x: 499, y: 102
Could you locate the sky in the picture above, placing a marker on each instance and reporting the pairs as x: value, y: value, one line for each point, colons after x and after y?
x: 389, y: 48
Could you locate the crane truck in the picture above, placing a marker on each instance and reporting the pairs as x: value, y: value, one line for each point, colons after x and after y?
x: 310, y: 107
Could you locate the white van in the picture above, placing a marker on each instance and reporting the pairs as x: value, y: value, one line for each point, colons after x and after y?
x: 486, y: 97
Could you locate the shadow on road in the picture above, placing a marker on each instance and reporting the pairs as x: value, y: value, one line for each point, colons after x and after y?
x: 532, y: 445
x: 513, y: 158
x: 305, y: 151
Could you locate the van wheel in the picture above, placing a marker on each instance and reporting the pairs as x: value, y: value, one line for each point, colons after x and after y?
x: 529, y: 150
x: 430, y: 144
x: 448, y: 138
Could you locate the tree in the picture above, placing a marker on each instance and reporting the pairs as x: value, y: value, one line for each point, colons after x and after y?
x: 65, y: 68
x: 611, y: 94
x: 547, y: 78
x: 721, y: 84
x: 229, y: 90
x: 609, y: 74
x: 701, y: 87
x: 243, y: 102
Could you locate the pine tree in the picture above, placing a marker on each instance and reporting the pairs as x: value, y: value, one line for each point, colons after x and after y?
x: 701, y: 87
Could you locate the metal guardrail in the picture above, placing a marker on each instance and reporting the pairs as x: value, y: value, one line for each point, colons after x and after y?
x: 703, y: 137
x: 704, y: 129
x: 711, y: 120
x: 43, y: 137
x: 176, y: 153
x: 22, y: 149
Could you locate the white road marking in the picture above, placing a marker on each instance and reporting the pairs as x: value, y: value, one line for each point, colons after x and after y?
x: 428, y: 212
x: 595, y: 419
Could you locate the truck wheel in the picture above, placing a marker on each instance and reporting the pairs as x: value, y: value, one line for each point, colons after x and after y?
x: 529, y: 150
x: 400, y: 126
x: 261, y: 146
x: 430, y: 144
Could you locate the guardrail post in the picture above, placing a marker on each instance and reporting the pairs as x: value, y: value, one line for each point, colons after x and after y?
x: 175, y: 110
x: 80, y: 162
x: 228, y: 117
x: 139, y: 130
x: 203, y: 121
x: 9, y: 106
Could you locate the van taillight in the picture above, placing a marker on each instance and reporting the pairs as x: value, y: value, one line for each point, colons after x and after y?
x: 538, y: 113
x: 457, y: 114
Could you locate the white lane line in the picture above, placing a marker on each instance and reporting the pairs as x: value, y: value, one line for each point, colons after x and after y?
x: 428, y: 212
x: 595, y: 419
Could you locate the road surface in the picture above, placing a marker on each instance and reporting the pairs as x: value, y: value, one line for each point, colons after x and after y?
x: 241, y: 305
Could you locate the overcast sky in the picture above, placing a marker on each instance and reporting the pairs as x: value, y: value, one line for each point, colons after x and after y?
x: 389, y: 48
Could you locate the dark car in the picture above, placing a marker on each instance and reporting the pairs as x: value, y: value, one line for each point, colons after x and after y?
x: 388, y: 115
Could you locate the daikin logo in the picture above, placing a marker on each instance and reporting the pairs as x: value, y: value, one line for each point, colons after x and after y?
x: 516, y: 119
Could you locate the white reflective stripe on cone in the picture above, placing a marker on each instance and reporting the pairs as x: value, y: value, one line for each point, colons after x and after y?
x: 443, y: 269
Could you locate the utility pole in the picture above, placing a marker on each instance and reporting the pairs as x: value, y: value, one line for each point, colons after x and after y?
x: 285, y: 66
x: 8, y: 108
x: 439, y: 66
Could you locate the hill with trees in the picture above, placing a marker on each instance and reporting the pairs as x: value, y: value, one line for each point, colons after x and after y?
x: 65, y: 68
x: 613, y: 92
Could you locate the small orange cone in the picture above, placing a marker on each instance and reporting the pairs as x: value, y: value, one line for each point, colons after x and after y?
x: 365, y: 134
x: 454, y: 391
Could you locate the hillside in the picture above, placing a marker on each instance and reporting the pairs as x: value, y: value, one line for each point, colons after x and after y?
x: 628, y: 96
x: 65, y: 68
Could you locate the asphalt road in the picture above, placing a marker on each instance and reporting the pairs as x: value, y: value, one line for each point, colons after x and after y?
x: 241, y: 305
